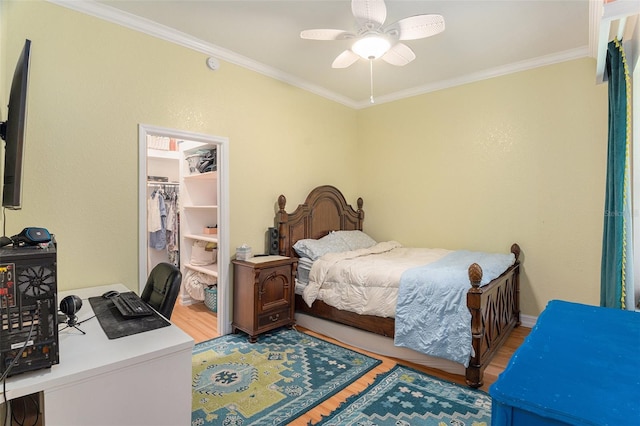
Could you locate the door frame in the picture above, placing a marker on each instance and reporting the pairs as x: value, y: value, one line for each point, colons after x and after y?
x: 224, y: 311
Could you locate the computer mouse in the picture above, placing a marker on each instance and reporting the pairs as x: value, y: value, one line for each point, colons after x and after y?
x: 109, y: 294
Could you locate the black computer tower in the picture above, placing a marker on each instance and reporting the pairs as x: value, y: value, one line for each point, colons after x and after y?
x: 28, y: 308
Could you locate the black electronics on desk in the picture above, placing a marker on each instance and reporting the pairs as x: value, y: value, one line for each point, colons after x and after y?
x: 28, y: 280
x: 28, y: 308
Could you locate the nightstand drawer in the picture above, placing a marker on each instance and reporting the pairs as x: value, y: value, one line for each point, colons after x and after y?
x: 274, y: 317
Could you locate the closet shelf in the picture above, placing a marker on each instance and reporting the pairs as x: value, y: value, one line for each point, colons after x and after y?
x: 158, y: 153
x: 202, y: 176
x: 209, y: 269
x: 211, y: 238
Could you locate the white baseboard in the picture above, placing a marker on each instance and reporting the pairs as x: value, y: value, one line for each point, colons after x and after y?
x: 528, y: 320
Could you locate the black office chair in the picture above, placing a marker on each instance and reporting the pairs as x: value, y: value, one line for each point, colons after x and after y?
x: 162, y: 288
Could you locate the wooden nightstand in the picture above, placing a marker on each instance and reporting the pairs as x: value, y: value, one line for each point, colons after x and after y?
x: 263, y: 294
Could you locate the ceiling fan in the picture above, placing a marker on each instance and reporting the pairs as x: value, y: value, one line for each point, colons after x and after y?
x: 372, y: 40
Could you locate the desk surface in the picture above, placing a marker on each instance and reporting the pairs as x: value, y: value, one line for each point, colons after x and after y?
x: 579, y: 365
x: 84, y: 356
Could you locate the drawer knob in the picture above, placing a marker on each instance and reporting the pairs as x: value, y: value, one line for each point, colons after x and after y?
x: 274, y: 318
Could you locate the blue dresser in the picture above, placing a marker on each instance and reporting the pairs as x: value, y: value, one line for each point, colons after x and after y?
x: 580, y: 365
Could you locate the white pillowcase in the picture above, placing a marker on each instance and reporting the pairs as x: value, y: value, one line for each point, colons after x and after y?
x: 313, y: 249
x: 356, y: 239
x: 334, y: 242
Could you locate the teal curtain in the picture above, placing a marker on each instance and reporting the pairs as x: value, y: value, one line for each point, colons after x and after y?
x: 617, y: 243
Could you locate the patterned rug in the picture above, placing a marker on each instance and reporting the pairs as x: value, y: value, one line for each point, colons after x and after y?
x: 270, y: 382
x: 403, y: 397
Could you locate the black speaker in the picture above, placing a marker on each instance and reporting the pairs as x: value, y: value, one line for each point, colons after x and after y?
x: 273, y: 240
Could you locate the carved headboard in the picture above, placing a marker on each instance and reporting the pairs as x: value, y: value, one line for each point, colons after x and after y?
x: 324, y: 210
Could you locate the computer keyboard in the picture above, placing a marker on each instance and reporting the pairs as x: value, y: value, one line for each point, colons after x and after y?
x: 131, y: 306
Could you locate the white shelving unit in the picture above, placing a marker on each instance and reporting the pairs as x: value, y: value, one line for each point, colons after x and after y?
x: 199, y: 210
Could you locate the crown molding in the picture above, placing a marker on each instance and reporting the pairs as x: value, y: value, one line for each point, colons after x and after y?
x: 160, y: 31
x: 528, y: 64
x: 163, y: 32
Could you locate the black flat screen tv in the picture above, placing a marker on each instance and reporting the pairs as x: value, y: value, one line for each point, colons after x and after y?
x: 13, y: 132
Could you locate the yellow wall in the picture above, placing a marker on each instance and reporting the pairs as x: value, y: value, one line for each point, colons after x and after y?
x: 518, y: 158
x: 93, y: 82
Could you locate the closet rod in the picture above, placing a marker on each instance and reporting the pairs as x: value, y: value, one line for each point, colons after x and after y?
x: 153, y: 183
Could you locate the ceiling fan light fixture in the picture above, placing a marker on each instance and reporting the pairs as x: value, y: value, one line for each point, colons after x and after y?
x: 371, y: 47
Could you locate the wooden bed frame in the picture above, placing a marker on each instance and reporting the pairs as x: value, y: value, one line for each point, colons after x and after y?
x: 495, y: 307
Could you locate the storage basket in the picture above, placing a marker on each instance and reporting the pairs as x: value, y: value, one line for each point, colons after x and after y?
x: 211, y: 298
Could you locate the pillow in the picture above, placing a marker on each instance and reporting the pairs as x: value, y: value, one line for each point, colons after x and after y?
x: 313, y: 249
x: 355, y: 239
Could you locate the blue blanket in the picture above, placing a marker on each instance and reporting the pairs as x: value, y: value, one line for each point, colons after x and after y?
x: 431, y: 313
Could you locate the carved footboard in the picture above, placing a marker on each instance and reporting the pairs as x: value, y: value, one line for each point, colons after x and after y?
x: 495, y: 311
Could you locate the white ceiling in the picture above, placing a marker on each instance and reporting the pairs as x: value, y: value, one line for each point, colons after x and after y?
x: 482, y: 39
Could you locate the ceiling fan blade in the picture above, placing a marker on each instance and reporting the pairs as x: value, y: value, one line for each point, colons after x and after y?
x: 326, y: 34
x: 345, y: 59
x: 369, y: 11
x: 399, y: 55
x: 419, y: 26
x: 415, y: 27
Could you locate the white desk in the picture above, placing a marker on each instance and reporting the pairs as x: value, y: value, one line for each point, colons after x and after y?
x: 143, y: 379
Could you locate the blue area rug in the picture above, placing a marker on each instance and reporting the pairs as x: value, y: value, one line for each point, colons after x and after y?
x: 403, y: 397
x: 270, y: 382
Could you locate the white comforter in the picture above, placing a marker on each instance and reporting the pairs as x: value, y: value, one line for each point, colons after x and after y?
x: 373, y: 275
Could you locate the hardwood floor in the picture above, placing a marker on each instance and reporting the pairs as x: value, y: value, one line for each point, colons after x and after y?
x: 195, y: 320
x: 200, y: 323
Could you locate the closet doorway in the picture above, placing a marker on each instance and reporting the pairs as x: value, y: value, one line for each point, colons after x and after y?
x: 195, y: 207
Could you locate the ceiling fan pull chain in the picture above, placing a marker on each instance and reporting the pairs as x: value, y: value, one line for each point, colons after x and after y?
x: 371, y: 79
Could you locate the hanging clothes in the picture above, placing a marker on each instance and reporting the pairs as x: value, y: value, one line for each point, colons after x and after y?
x: 154, y: 222
x: 158, y: 213
x: 172, y: 222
